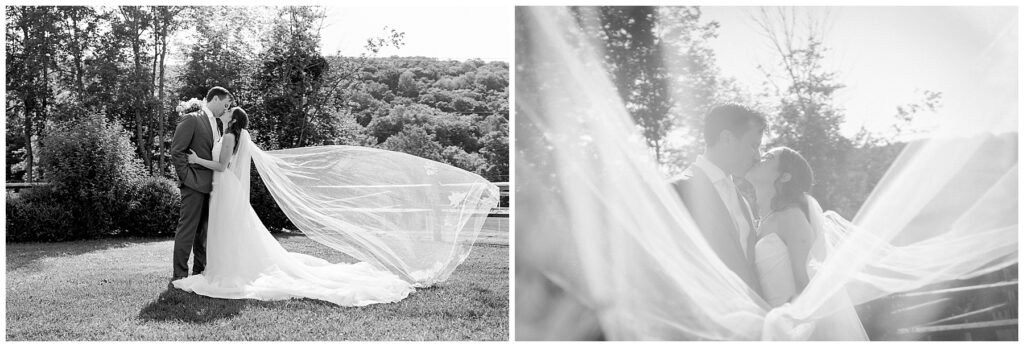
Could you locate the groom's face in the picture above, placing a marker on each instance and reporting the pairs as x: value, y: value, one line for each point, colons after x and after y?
x: 748, y: 148
x: 219, y: 105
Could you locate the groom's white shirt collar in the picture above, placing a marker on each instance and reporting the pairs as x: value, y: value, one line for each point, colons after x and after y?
x: 713, y: 171
x: 727, y: 191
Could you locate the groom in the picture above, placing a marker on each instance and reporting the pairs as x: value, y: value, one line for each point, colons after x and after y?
x: 196, y: 131
x: 733, y: 137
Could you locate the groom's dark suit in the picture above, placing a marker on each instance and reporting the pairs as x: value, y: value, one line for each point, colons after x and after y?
x: 195, y: 182
x: 712, y: 217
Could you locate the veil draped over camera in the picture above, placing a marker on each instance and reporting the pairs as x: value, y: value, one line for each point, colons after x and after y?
x: 411, y: 216
x: 609, y: 248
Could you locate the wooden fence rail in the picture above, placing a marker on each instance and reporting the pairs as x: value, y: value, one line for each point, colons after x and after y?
x: 500, y: 211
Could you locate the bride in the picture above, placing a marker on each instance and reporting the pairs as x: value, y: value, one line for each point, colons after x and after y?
x: 329, y: 193
x: 791, y: 243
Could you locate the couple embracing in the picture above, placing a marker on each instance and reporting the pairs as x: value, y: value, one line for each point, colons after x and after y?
x: 377, y: 206
x: 775, y: 243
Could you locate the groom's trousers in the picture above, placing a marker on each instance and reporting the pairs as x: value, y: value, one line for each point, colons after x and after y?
x: 191, y: 234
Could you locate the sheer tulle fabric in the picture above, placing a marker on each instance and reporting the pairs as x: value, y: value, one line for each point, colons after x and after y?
x: 414, y: 217
x: 609, y: 249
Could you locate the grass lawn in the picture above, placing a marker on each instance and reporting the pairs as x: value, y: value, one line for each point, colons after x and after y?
x: 117, y: 289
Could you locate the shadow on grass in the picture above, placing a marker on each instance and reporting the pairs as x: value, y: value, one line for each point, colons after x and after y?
x: 178, y: 305
x: 488, y: 297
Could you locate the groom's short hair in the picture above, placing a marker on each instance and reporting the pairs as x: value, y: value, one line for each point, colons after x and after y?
x: 218, y: 92
x: 738, y: 119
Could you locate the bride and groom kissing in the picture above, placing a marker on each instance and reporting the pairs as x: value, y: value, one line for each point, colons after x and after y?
x: 235, y: 257
x: 774, y: 244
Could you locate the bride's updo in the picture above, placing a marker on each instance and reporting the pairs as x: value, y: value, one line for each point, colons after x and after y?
x: 794, y: 190
x: 239, y: 120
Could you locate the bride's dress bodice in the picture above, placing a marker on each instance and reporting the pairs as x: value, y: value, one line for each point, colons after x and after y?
x: 215, y: 156
x: 774, y: 269
x: 778, y: 284
x: 215, y: 152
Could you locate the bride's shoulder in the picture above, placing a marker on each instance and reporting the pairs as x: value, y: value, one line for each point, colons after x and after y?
x: 790, y: 224
x: 784, y: 219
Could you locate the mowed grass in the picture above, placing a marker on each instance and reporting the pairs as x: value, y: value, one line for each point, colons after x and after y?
x: 117, y: 289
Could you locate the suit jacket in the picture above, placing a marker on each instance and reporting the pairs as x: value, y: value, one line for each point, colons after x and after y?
x: 193, y: 132
x: 712, y: 217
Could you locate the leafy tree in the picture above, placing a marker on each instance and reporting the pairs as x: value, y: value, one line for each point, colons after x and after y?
x: 806, y: 117
x: 32, y: 41
x: 221, y: 55
x: 633, y: 56
x: 407, y: 84
x: 65, y: 63
x: 416, y: 141
x: 696, y: 84
x: 166, y: 22
x: 134, y: 23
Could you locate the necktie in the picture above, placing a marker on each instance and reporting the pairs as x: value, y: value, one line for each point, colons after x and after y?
x: 220, y: 127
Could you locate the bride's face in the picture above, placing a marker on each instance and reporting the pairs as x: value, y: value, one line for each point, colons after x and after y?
x: 766, y: 171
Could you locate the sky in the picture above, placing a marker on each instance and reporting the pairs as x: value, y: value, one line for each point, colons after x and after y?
x: 887, y: 55
x: 446, y: 32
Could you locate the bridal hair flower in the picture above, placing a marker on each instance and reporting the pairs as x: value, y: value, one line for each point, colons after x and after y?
x: 189, y: 106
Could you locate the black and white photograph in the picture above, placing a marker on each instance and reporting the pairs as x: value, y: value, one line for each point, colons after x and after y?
x: 766, y: 173
x: 257, y: 173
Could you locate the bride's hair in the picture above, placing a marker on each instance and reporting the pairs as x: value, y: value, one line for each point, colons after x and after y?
x: 794, y: 191
x: 239, y: 120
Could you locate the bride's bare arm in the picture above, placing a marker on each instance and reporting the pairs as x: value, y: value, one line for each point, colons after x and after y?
x: 796, y: 232
x: 226, y: 148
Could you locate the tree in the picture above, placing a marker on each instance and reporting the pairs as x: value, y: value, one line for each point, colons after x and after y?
x: 633, y: 56
x: 696, y: 85
x: 31, y: 36
x: 81, y: 26
x: 166, y: 23
x: 416, y: 141
x: 67, y: 63
x: 806, y: 117
x: 407, y: 84
x: 291, y: 76
x: 135, y: 21
x: 221, y: 53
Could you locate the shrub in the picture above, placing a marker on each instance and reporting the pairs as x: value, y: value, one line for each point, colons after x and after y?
x: 97, y: 187
x: 37, y: 215
x: 89, y: 163
x: 153, y: 205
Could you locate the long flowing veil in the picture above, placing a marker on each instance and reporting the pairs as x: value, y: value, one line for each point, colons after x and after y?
x: 411, y: 216
x: 604, y: 246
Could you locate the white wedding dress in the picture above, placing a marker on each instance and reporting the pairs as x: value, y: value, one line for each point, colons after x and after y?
x: 778, y: 284
x: 245, y: 262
